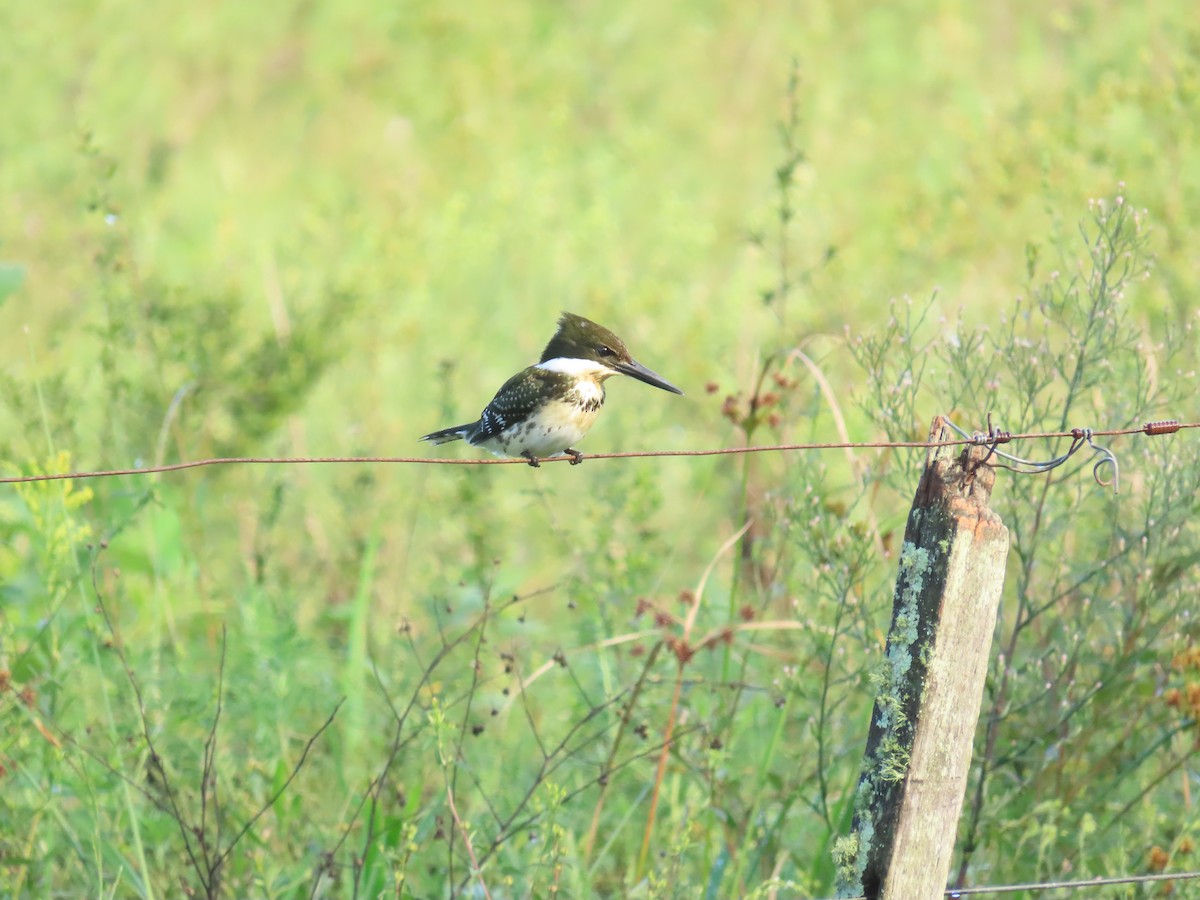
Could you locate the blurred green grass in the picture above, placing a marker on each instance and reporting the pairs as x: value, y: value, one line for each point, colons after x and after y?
x: 327, y: 229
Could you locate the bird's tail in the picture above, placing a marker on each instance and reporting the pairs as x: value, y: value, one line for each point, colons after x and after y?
x: 446, y: 435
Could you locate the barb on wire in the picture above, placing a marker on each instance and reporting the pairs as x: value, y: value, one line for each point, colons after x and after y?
x: 993, y: 439
x: 1079, y: 437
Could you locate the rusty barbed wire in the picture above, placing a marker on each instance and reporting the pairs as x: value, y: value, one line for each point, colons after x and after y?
x: 1078, y: 435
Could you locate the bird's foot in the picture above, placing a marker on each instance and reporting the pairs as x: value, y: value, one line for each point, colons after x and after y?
x: 576, y: 456
x: 531, y: 459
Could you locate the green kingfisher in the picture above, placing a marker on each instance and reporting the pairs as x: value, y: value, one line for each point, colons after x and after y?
x: 542, y: 411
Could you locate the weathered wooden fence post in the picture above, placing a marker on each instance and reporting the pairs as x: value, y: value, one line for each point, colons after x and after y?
x: 930, y: 683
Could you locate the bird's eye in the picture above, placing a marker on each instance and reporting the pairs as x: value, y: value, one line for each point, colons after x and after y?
x: 605, y: 350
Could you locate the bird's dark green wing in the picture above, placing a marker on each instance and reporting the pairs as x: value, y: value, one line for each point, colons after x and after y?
x: 518, y: 399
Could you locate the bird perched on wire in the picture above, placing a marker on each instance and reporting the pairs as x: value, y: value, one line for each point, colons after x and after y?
x: 542, y: 411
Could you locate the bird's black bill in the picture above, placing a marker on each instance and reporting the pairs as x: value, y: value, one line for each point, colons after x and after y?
x: 636, y: 370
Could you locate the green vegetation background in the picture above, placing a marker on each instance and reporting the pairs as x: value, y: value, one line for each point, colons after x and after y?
x: 318, y: 228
